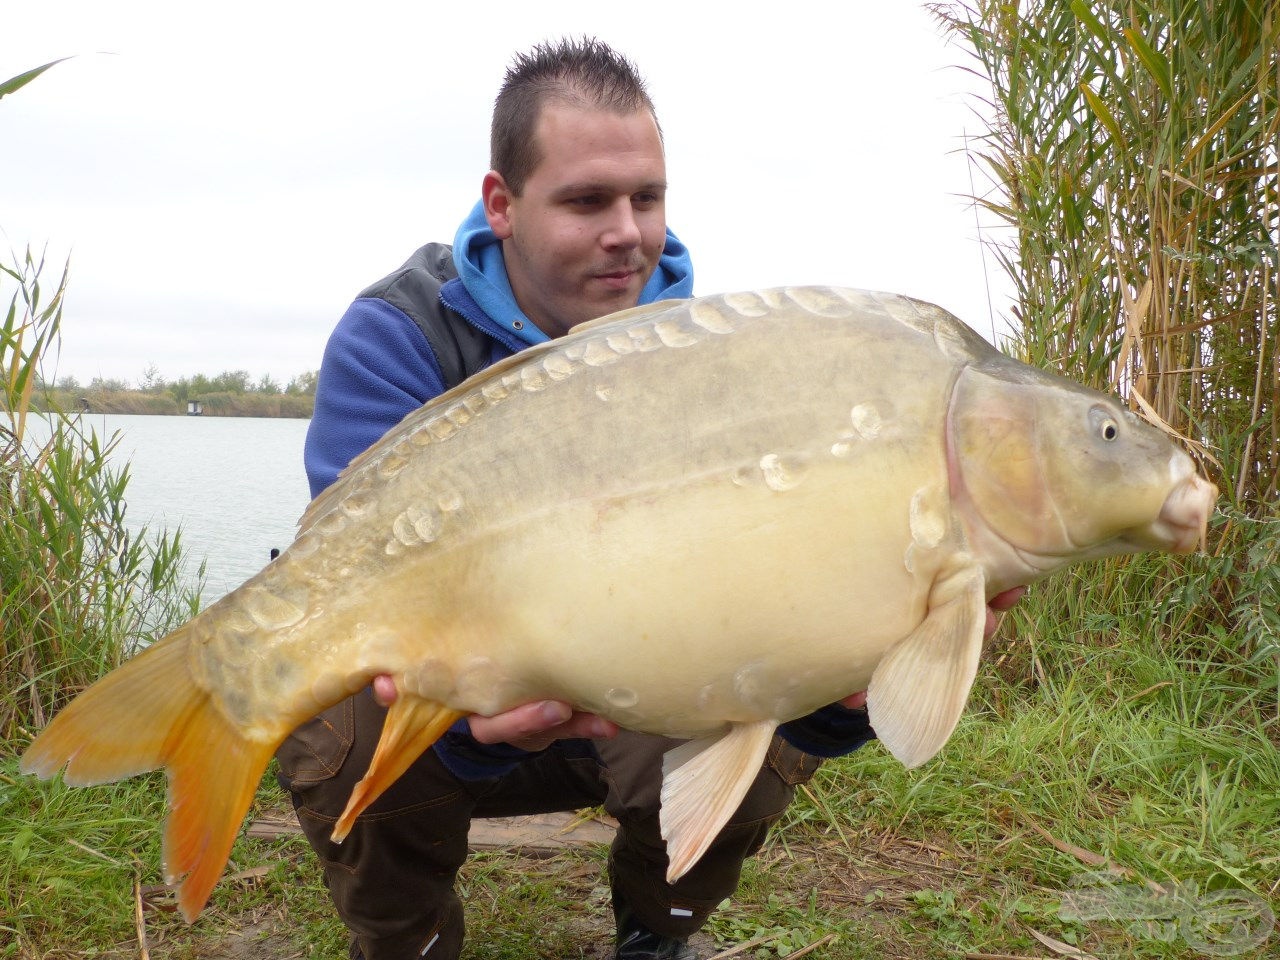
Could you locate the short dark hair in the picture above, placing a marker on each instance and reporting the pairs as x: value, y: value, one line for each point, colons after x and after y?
x: 583, y: 72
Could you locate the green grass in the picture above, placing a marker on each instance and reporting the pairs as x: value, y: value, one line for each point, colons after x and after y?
x: 81, y: 858
x: 1162, y: 766
x: 77, y: 591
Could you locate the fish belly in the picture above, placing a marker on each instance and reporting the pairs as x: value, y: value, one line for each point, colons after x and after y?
x: 680, y: 611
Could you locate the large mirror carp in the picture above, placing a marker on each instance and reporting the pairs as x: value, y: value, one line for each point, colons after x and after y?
x: 697, y: 518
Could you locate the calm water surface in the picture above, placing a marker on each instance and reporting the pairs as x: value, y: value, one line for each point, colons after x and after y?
x: 233, y: 485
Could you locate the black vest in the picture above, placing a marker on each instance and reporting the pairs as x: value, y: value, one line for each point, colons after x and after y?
x: 414, y: 289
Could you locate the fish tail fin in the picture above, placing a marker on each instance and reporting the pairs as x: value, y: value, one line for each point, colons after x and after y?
x: 151, y: 713
x: 413, y: 724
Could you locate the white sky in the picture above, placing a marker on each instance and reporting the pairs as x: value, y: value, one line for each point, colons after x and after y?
x: 228, y: 176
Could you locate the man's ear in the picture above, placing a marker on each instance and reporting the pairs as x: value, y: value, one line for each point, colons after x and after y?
x: 497, y: 198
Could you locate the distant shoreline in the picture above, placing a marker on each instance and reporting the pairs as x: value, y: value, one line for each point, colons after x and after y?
x: 298, y: 406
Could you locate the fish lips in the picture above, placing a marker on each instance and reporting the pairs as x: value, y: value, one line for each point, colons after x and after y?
x: 1184, y: 518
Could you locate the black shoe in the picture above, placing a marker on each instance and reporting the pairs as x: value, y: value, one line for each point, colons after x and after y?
x: 642, y: 944
x: 638, y: 942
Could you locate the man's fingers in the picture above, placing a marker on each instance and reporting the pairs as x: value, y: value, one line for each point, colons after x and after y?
x: 1003, y: 601
x: 522, y: 721
x: 384, y: 690
x: 534, y: 726
x: 999, y: 604
x: 855, y: 701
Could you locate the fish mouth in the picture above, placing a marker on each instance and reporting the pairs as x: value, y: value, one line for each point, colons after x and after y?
x: 1183, y: 521
x: 1180, y: 527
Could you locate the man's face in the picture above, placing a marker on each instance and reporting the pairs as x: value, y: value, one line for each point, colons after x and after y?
x: 586, y: 233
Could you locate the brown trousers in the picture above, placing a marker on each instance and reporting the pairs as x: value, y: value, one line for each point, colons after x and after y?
x: 392, y: 880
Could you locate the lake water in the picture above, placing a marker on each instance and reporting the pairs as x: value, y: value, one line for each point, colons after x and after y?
x: 234, y: 485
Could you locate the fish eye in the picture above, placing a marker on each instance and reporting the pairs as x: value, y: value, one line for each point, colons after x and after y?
x: 1107, y: 427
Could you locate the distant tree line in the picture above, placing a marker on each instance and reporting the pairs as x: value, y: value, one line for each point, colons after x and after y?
x: 194, y: 387
x: 230, y: 393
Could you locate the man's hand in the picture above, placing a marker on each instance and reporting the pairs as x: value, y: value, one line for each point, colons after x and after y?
x: 535, y: 726
x: 998, y: 605
x: 531, y: 726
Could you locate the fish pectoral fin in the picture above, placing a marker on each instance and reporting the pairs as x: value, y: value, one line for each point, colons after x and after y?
x: 703, y: 783
x: 919, y: 689
x: 413, y: 724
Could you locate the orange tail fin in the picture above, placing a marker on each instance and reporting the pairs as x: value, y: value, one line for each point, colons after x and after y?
x: 150, y: 713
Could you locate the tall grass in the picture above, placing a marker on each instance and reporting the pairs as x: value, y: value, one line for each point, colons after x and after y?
x: 77, y: 592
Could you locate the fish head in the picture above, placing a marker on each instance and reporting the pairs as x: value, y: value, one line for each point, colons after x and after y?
x: 1046, y: 472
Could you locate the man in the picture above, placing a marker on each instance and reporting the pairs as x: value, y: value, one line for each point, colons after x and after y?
x: 571, y: 226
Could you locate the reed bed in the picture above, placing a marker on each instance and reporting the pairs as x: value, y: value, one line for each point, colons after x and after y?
x: 77, y: 592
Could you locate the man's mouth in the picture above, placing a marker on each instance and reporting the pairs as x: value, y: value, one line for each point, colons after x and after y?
x: 619, y: 279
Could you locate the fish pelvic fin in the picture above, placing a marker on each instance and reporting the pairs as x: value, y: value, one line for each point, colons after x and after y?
x: 703, y: 783
x: 147, y: 714
x: 920, y: 688
x: 412, y: 725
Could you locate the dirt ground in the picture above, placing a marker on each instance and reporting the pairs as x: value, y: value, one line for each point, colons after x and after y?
x: 894, y: 871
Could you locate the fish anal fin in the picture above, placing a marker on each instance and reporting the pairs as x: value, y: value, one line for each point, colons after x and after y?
x: 412, y: 725
x: 151, y: 713
x: 703, y: 783
x: 920, y: 688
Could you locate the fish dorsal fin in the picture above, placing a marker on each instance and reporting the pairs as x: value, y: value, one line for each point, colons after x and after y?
x: 919, y: 689
x: 703, y: 783
x: 626, y: 316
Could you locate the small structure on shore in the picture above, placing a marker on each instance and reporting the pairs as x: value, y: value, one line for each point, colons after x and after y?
x: 194, y: 408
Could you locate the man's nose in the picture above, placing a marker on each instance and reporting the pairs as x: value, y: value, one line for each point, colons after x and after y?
x: 623, y: 230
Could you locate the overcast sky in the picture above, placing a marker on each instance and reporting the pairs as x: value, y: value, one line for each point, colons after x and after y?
x: 226, y: 177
